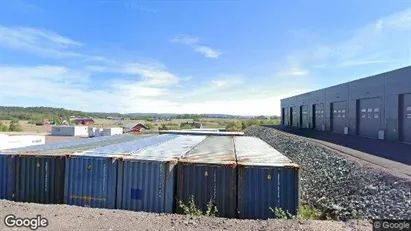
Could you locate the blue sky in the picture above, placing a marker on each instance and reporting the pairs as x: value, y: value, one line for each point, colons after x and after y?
x: 233, y: 56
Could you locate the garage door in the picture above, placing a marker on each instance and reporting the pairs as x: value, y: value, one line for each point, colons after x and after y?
x: 318, y: 116
x: 405, y: 118
x: 304, y: 116
x: 369, y: 119
x: 283, y: 116
x: 294, y: 117
x: 338, y: 116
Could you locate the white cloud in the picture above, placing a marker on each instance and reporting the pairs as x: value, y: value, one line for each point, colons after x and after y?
x: 185, y: 39
x: 208, y: 52
x: 366, y: 62
x: 293, y: 72
x: 388, y: 35
x: 37, y: 41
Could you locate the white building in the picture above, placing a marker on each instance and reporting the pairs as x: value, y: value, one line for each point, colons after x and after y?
x: 112, y: 131
x: 18, y: 141
x: 69, y: 131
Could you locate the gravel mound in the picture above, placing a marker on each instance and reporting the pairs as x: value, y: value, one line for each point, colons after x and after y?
x: 71, y: 218
x: 341, y: 188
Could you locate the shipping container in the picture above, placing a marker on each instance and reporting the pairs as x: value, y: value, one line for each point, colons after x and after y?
x: 40, y: 178
x: 208, y: 173
x: 91, y: 176
x: 112, y: 131
x: 17, y: 141
x: 266, y: 179
x: 147, y: 178
x: 7, y: 176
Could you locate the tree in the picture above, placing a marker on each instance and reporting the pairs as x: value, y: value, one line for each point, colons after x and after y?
x: 243, y: 125
x: 15, y: 126
x: 3, y: 127
x: 163, y: 127
x: 149, y: 125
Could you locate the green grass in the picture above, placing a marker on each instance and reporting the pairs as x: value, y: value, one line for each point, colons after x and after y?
x: 191, y: 208
x: 305, y: 213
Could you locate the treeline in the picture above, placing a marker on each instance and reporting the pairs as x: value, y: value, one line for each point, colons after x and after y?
x: 40, y: 114
x: 243, y: 124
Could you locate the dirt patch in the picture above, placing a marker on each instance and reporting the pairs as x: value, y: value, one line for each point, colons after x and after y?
x: 64, y: 217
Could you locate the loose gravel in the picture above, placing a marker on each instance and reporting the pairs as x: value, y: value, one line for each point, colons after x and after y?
x: 339, y: 187
x: 71, y: 218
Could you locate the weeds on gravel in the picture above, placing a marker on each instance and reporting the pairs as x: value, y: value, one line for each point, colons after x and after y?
x: 305, y: 213
x: 191, y: 208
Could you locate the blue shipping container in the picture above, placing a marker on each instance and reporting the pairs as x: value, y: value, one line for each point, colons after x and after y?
x: 147, y: 179
x: 266, y: 179
x: 91, y: 176
x: 208, y: 173
x: 7, y: 176
x: 40, y: 179
x: 90, y: 181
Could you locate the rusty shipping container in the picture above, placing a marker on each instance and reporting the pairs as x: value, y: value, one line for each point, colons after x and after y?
x: 208, y: 173
x: 266, y: 178
x: 146, y: 179
x: 7, y: 176
x: 40, y: 178
x: 91, y: 176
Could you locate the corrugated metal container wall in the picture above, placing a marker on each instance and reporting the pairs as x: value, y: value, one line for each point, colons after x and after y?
x: 91, y: 176
x: 266, y: 178
x: 90, y: 181
x: 7, y: 176
x: 147, y: 180
x: 40, y: 179
x: 208, y: 172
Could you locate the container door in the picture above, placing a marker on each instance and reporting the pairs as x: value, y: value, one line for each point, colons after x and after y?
x: 318, y: 116
x: 7, y: 177
x: 405, y: 118
x: 304, y: 116
x: 294, y: 117
x: 338, y: 116
x: 91, y: 182
x: 368, y: 117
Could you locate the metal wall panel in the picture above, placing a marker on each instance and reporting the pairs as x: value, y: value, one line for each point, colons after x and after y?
x: 405, y: 118
x: 338, y: 116
x: 208, y: 172
x: 40, y: 179
x: 368, y: 117
x: 318, y: 116
x: 91, y: 181
x: 260, y: 188
x: 7, y: 176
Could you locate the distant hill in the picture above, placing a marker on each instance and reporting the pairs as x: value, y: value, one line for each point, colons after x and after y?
x: 57, y: 114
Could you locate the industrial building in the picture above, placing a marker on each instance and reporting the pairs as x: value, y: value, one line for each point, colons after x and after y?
x: 377, y: 107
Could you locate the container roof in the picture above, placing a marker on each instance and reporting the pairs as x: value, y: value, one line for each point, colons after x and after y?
x: 169, y: 150
x: 79, y: 143
x: 204, y: 133
x: 254, y: 151
x: 128, y: 148
x: 213, y: 150
x: 72, y: 146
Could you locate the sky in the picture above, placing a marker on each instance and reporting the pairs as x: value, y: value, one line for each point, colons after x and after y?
x: 234, y: 57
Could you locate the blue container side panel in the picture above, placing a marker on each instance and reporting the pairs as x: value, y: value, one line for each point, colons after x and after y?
x: 91, y: 182
x: 208, y: 182
x: 40, y: 179
x: 262, y: 188
x: 144, y: 186
x: 7, y: 177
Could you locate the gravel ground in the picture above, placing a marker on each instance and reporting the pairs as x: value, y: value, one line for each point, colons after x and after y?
x: 64, y: 217
x: 339, y: 187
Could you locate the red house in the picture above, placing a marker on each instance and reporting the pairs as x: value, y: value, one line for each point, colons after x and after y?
x: 138, y: 128
x: 84, y: 122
